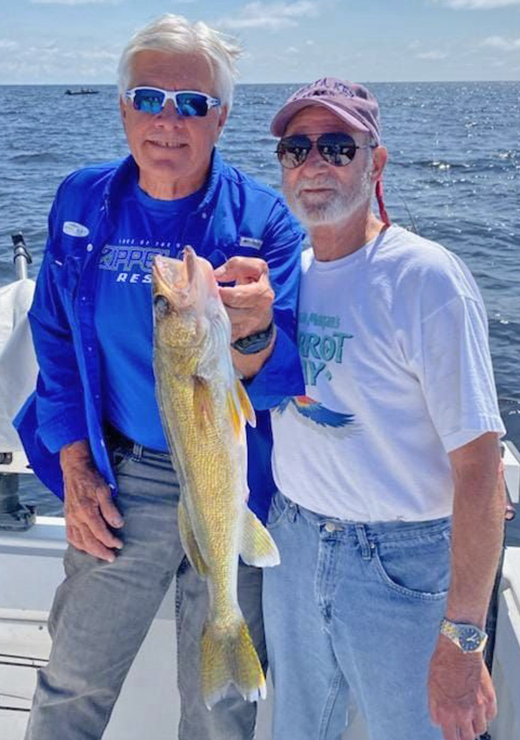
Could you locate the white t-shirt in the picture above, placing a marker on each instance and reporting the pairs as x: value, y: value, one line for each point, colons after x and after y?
x: 394, y: 343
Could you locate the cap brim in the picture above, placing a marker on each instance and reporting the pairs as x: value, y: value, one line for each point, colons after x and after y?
x: 284, y: 115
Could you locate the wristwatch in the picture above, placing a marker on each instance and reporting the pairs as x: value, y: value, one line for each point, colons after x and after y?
x: 467, y: 637
x: 254, y: 342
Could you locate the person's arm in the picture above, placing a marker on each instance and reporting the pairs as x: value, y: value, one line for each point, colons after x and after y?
x: 461, y: 694
x: 59, y: 392
x: 266, y: 294
x: 60, y: 407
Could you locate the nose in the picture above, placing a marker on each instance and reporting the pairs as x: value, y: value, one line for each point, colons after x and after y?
x: 169, y: 113
x: 314, y: 162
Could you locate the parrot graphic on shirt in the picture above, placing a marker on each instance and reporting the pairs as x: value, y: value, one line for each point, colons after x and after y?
x: 316, y: 412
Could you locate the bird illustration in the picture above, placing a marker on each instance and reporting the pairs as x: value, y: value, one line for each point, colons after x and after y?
x: 311, y: 409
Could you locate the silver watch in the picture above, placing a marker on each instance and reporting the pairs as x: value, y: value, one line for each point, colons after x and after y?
x: 467, y: 637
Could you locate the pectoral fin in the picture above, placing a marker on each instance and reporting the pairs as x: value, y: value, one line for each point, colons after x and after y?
x: 240, y: 406
x: 189, y: 542
x: 245, y: 404
x: 258, y: 547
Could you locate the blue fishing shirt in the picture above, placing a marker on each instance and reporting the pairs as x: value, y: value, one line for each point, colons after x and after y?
x: 236, y: 216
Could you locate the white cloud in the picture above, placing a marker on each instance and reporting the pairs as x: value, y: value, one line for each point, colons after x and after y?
x: 46, y: 61
x: 8, y: 45
x: 76, y: 2
x: 432, y: 56
x: 478, y: 4
x: 499, y: 42
x: 271, y: 16
x: 292, y: 50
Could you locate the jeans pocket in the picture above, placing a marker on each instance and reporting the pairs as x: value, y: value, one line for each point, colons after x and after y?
x: 418, y: 568
x: 279, y: 505
x: 120, y: 456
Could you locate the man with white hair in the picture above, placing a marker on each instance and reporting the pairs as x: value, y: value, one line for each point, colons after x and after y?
x: 92, y: 430
x: 389, y: 512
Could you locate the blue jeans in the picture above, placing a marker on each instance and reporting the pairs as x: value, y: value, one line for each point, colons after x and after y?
x: 102, y: 611
x: 353, y: 607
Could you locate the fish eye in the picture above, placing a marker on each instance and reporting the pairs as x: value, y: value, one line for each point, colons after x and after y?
x: 161, y: 303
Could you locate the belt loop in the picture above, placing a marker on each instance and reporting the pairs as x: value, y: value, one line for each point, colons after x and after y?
x: 137, y: 451
x: 366, y: 550
x: 293, y: 511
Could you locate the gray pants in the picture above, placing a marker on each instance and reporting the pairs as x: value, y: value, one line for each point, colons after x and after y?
x: 102, y: 612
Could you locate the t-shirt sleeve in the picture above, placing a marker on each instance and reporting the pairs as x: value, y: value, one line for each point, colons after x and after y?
x: 454, y: 367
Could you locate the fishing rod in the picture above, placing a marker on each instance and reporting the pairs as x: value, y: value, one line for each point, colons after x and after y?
x: 22, y: 257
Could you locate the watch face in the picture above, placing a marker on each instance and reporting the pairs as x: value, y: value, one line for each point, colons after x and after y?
x: 469, y: 639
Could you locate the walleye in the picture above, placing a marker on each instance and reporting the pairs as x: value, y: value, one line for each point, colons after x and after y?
x: 203, y: 409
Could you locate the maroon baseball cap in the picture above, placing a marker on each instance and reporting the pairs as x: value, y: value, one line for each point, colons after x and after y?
x: 349, y: 101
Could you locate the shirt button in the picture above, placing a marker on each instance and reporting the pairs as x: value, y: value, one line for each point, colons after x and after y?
x: 83, y: 297
x: 90, y: 247
x: 90, y: 348
x: 330, y: 527
x: 204, y: 215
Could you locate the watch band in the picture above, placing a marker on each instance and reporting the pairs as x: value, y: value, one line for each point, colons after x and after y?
x: 468, y: 637
x: 254, y: 342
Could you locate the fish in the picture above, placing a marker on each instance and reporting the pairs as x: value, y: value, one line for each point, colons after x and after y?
x: 204, y: 409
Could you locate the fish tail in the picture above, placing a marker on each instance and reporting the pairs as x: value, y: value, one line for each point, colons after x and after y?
x: 228, y: 657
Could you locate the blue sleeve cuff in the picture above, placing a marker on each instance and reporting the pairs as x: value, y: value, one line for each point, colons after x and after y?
x: 63, y: 430
x: 281, y: 376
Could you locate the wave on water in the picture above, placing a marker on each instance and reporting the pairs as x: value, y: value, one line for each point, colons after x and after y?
x: 35, y: 157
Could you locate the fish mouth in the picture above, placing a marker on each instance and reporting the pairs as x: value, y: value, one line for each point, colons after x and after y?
x: 168, y: 278
x: 176, y: 279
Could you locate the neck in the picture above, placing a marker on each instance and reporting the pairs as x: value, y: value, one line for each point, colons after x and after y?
x: 331, y: 241
x: 171, y: 189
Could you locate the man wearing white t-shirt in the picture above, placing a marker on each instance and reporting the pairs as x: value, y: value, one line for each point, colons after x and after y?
x: 389, y: 512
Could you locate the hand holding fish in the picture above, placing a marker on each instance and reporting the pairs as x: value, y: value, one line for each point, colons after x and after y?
x: 88, y: 505
x: 249, y: 303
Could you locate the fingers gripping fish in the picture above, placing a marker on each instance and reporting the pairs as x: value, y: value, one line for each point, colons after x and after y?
x: 204, y: 408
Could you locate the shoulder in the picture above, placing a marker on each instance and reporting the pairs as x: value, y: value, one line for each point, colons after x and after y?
x: 425, y: 269
x: 257, y: 202
x: 250, y: 189
x: 89, y: 178
x: 240, y: 180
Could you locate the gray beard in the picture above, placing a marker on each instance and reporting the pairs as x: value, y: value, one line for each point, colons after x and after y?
x: 329, y: 208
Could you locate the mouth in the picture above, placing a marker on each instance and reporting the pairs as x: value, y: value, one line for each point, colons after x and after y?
x: 314, y: 191
x: 166, y: 144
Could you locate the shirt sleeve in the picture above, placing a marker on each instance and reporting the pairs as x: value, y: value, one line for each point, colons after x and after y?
x: 60, y: 409
x: 454, y: 367
x: 281, y: 375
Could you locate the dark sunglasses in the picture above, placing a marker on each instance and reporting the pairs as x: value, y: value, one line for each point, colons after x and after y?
x: 187, y: 102
x: 336, y: 148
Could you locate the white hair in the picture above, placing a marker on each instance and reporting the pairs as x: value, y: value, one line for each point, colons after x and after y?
x: 176, y: 34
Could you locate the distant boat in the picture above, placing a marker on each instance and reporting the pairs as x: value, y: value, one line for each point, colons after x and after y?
x: 83, y: 91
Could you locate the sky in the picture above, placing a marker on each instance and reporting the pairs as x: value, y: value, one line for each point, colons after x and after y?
x: 79, y: 41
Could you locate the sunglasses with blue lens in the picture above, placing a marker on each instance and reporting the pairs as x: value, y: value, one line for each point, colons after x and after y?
x: 187, y: 102
x: 336, y: 148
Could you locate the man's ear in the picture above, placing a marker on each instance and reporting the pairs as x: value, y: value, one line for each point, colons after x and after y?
x: 223, y: 116
x: 379, y: 159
